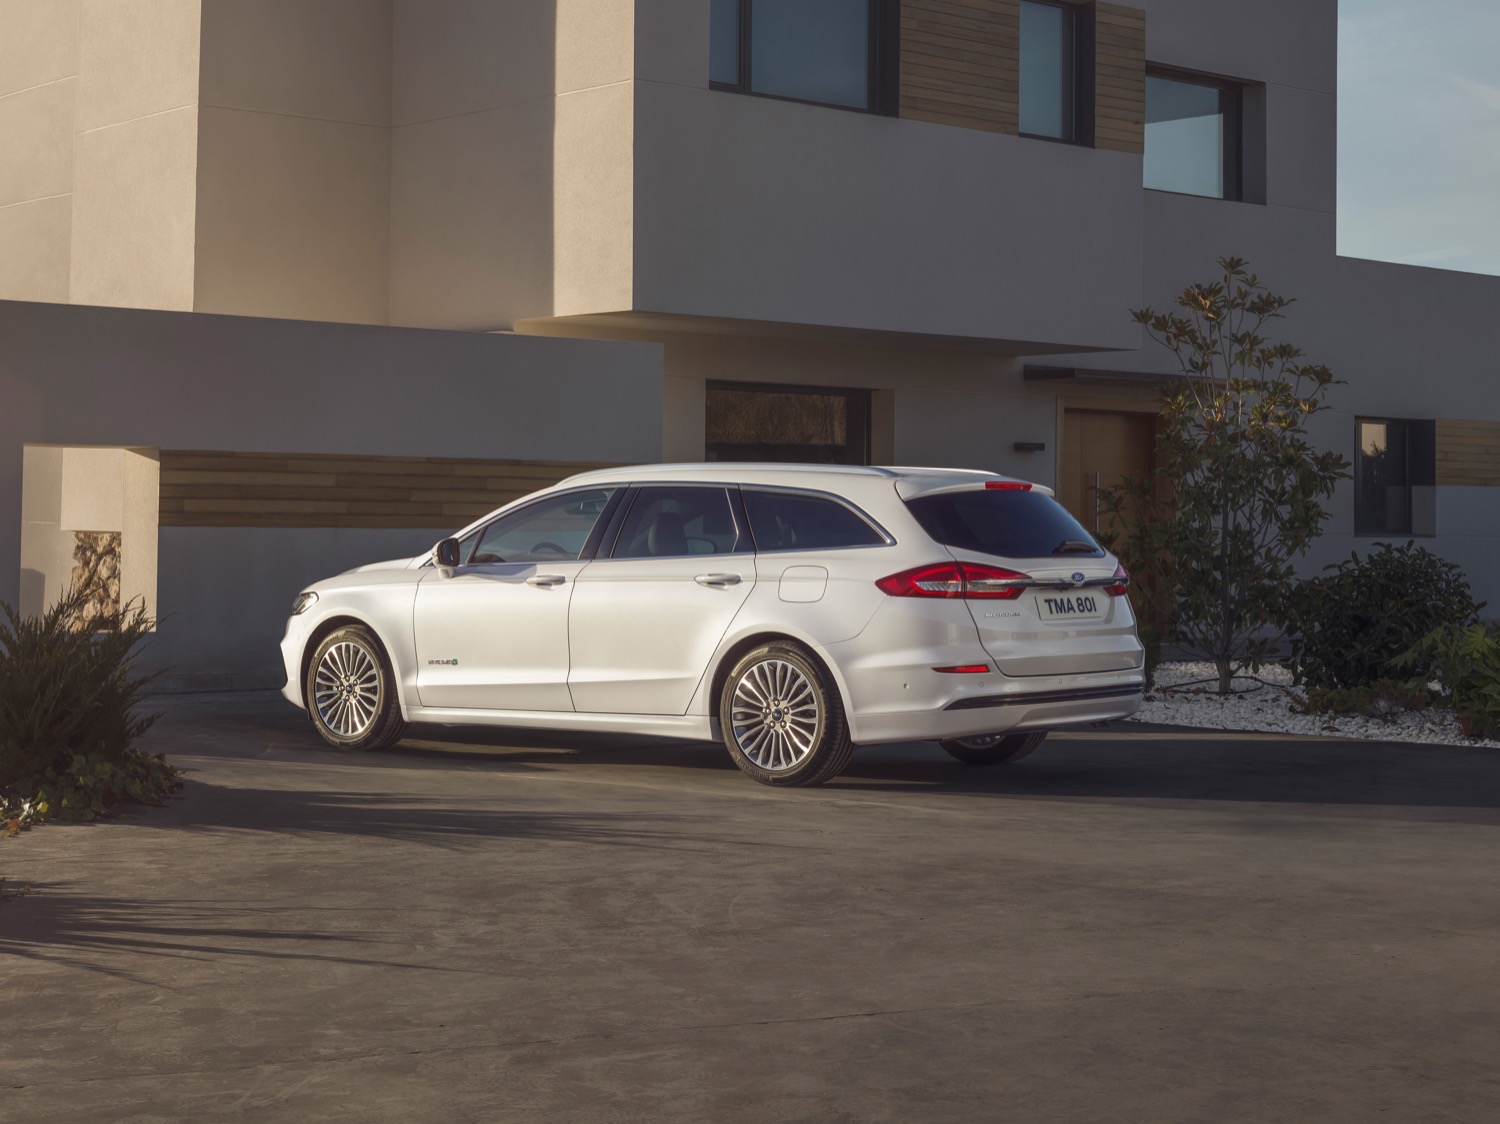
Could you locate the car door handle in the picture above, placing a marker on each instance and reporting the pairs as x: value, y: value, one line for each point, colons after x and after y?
x: 717, y: 579
x: 546, y: 581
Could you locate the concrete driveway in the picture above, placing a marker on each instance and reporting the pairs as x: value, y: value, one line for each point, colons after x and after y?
x: 1133, y: 925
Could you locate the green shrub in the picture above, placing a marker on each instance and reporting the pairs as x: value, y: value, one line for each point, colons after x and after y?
x: 1348, y: 626
x: 1385, y: 698
x: 1467, y: 662
x: 69, y: 720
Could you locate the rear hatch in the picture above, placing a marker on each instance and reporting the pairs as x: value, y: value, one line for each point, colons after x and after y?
x: 1045, y: 596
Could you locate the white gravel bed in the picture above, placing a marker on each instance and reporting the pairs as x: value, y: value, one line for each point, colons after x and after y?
x: 1260, y: 708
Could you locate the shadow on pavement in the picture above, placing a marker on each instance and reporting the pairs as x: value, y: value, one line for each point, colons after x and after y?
x: 94, y: 933
x: 446, y: 821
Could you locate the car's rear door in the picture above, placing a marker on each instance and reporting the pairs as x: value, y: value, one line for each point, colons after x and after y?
x: 647, y: 616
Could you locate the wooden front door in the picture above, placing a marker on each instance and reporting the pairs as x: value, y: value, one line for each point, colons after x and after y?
x: 1099, y: 449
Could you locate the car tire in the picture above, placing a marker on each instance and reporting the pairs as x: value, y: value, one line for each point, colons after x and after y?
x: 782, y: 717
x: 350, y: 691
x: 994, y: 749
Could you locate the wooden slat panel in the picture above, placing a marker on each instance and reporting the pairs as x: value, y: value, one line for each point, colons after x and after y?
x: 231, y: 489
x: 1119, y: 78
x: 1468, y: 453
x: 960, y: 63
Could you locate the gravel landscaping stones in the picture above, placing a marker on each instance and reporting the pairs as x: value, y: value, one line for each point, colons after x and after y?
x: 1263, y: 704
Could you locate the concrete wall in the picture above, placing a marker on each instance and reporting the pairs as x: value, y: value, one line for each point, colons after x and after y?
x: 89, y: 376
x: 770, y: 210
x: 293, y: 205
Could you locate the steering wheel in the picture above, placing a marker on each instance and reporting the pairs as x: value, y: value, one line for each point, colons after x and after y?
x: 548, y: 548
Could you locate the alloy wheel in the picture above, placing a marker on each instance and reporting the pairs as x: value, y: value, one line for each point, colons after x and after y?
x: 774, y: 715
x: 346, y: 689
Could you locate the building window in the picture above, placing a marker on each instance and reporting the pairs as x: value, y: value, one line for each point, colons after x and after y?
x: 1193, y: 136
x: 831, y: 52
x: 1395, y: 469
x: 1056, y: 71
x: 807, y: 425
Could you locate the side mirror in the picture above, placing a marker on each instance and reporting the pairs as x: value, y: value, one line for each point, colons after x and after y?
x: 446, y: 552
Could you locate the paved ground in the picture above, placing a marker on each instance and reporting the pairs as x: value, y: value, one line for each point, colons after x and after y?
x: 1129, y: 926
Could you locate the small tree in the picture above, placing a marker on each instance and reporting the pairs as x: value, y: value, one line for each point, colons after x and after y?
x: 1236, y: 493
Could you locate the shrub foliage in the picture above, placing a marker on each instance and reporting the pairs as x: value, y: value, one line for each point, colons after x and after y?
x: 1350, y: 625
x: 70, y: 712
x: 1467, y: 662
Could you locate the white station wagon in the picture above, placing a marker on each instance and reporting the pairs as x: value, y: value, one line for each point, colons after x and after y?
x: 793, y: 611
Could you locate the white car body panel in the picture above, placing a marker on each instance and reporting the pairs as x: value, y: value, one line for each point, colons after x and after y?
x: 494, y: 637
x: 635, y: 645
x: 642, y: 630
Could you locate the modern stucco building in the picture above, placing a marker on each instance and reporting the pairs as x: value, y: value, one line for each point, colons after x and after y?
x: 879, y: 230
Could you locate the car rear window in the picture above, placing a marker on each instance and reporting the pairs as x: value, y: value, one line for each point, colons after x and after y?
x: 790, y: 521
x: 1008, y: 524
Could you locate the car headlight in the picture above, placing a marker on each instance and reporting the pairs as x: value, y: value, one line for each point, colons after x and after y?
x: 304, y: 602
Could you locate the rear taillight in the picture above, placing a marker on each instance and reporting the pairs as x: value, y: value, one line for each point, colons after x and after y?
x: 967, y: 580
x: 1121, y: 585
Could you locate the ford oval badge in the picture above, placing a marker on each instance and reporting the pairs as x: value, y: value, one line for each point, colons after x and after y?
x: 1078, y: 579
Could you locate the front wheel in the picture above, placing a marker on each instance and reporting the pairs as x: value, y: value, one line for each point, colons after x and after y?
x: 350, y: 692
x: 994, y: 749
x: 783, y: 721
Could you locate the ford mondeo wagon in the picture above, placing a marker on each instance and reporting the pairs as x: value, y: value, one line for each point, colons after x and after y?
x: 794, y: 612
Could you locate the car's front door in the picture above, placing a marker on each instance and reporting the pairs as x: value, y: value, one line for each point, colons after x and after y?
x: 647, y: 617
x: 492, y: 632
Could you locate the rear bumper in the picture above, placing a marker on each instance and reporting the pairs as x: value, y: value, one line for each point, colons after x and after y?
x: 995, y: 714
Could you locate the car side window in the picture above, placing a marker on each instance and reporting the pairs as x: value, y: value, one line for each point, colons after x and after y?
x: 674, y: 522
x: 551, y: 530
x: 791, y: 521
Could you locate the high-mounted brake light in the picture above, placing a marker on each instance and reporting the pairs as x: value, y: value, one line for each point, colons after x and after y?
x: 1007, y: 486
x: 967, y: 580
x: 1121, y: 585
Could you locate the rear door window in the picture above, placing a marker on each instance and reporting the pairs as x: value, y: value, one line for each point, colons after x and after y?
x: 1004, y: 523
x: 670, y: 522
x: 793, y: 521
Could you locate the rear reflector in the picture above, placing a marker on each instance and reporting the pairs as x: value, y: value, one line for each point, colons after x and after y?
x: 1007, y: 486
x: 966, y: 580
x: 965, y: 669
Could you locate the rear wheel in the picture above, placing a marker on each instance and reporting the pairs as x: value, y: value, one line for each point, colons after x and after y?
x: 783, y: 720
x: 350, y: 692
x: 994, y: 749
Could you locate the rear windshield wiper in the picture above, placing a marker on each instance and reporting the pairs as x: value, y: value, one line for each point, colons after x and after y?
x: 1075, y: 546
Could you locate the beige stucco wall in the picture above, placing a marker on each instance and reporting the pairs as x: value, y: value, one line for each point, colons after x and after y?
x: 293, y: 199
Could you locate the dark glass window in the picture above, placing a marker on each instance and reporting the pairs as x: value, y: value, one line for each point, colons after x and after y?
x: 826, y: 51
x: 1049, y: 70
x: 671, y: 522
x: 802, y: 425
x: 1395, y: 468
x: 790, y: 521
x: 1007, y: 524
x: 1192, y: 136
x: 550, y: 530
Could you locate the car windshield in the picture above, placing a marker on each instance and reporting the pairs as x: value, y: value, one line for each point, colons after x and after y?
x: 1010, y: 524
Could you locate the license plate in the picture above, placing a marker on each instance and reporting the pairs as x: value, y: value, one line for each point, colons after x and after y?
x: 1070, y: 606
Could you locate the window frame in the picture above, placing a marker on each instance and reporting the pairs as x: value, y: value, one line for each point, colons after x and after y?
x: 591, y: 543
x: 1083, y: 74
x: 1231, y: 109
x: 861, y: 402
x: 1419, y: 432
x: 744, y: 540
x: 887, y: 539
x: 882, y: 66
